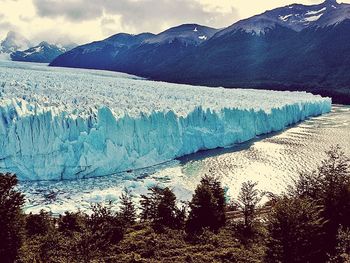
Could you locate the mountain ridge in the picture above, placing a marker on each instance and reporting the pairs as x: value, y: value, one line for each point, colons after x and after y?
x: 44, y: 52
x: 301, y: 47
x: 18, y: 48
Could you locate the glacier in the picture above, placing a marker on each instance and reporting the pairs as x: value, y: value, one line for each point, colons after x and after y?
x: 58, y: 123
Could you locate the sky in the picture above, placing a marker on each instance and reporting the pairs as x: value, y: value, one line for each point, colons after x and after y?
x: 82, y: 21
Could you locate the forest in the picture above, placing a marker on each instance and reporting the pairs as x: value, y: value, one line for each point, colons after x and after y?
x: 309, y: 222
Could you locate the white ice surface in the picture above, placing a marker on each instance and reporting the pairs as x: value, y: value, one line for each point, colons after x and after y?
x: 65, y: 124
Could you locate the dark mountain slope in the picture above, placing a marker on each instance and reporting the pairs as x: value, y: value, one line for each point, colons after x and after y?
x: 100, y: 54
x: 297, y: 47
x: 129, y: 53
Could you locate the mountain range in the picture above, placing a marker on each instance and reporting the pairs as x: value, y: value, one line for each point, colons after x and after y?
x: 296, y: 47
x: 16, y: 47
x: 13, y: 42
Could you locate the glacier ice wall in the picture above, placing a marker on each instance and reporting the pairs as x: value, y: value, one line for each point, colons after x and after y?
x: 67, y: 124
x: 48, y: 145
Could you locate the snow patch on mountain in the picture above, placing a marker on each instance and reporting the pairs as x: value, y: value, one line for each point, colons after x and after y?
x: 316, y: 12
x: 33, y: 51
x: 312, y: 18
x: 285, y: 18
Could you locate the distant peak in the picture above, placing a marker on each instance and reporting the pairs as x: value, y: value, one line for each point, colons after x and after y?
x: 13, y: 34
x: 44, y: 43
x: 331, y: 2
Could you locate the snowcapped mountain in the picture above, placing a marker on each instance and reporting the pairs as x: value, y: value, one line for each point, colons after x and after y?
x: 13, y: 42
x: 191, y: 34
x: 295, y: 17
x: 296, y: 47
x: 16, y: 47
x: 100, y: 54
x: 42, y: 53
x: 136, y: 53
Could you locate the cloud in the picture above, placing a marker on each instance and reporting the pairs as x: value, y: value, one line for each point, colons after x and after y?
x: 55, y: 36
x: 26, y: 19
x: 109, y: 26
x: 75, y: 10
x: 140, y: 15
x: 107, y: 21
x: 7, y: 26
x: 87, y: 20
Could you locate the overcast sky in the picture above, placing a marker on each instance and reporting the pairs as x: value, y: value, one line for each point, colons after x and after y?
x: 82, y: 21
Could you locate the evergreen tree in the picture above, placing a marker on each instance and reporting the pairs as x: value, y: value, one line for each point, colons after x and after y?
x: 127, y: 211
x: 38, y: 224
x: 342, y: 250
x: 106, y: 227
x: 329, y: 186
x: 167, y: 208
x: 335, y: 193
x: 11, y: 218
x: 146, y: 208
x: 248, y: 199
x: 159, y: 207
x: 295, y: 227
x: 207, y: 207
x: 70, y: 222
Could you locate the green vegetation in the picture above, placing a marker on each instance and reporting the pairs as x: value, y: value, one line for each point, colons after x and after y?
x: 309, y: 223
x: 11, y: 218
x: 207, y: 208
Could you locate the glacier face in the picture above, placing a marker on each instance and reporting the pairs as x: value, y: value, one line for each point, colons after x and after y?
x: 66, y: 124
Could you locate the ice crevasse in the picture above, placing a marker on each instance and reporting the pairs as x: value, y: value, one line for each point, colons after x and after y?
x: 83, y: 125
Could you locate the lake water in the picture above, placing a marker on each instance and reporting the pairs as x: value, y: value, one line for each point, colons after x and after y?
x: 272, y: 161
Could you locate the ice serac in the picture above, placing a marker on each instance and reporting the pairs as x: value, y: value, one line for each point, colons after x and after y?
x: 49, y: 132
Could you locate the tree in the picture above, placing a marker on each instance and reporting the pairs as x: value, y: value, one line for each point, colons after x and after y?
x: 38, y: 224
x: 127, y: 211
x: 11, y: 218
x: 159, y: 207
x: 207, y: 207
x: 331, y: 178
x: 342, y: 250
x: 106, y: 225
x: 329, y: 186
x: 101, y: 233
x: 307, y: 185
x: 71, y: 222
x: 295, y: 226
x: 335, y: 192
x: 247, y: 202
